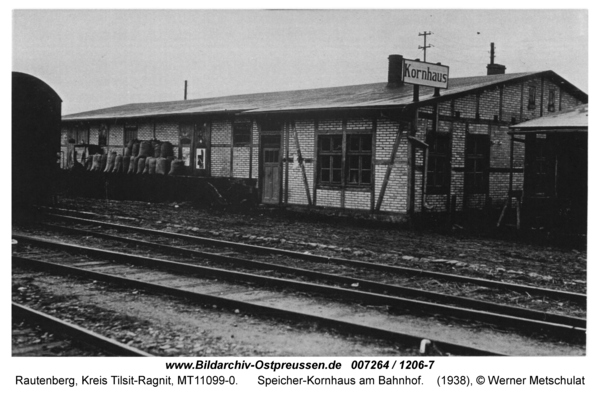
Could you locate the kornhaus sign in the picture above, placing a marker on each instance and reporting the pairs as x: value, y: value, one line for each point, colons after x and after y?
x: 427, y: 74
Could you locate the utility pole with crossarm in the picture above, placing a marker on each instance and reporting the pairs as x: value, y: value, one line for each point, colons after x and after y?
x: 425, y: 46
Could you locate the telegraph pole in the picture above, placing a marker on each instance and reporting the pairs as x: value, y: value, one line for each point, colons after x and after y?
x: 425, y: 46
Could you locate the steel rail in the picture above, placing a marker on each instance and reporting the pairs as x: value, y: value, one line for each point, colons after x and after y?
x: 253, y: 308
x: 75, y: 332
x: 567, y: 332
x: 571, y: 296
x: 362, y: 284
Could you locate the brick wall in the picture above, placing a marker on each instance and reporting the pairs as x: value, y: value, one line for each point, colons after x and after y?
x: 511, y: 103
x: 568, y: 101
x: 165, y: 132
x: 241, y: 162
x: 466, y: 106
x: 445, y: 108
x: 489, y: 104
x: 330, y: 124
x: 306, y: 138
x: 359, y: 123
x: 145, y: 131
x: 94, y: 132
x: 395, y: 198
x: 500, y: 147
x: 457, y: 186
x: 115, y: 139
x: 357, y: 200
x: 220, y: 161
x: 297, y: 190
x: 329, y: 198
x: 305, y: 129
x: 221, y: 132
x: 221, y: 156
x: 479, y: 128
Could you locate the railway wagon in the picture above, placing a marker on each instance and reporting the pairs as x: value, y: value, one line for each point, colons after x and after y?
x: 36, y: 117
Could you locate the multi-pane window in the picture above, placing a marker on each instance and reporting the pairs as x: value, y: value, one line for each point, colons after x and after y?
x: 438, y: 166
x: 242, y: 132
x: 129, y: 133
x: 477, y: 158
x: 330, y: 160
x: 531, y: 101
x: 358, y: 159
x: 358, y: 155
x: 551, y: 99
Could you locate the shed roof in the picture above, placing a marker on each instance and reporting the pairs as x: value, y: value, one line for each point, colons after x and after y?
x: 367, y: 96
x: 574, y: 119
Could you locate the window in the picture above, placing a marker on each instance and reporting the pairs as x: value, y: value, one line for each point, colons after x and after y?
x: 358, y: 159
x: 438, y: 166
x: 531, y: 102
x: 242, y: 132
x: 129, y: 133
x: 476, y: 163
x: 358, y: 154
x: 330, y: 160
x: 551, y: 99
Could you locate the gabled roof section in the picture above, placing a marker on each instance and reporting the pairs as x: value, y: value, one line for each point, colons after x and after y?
x: 574, y: 119
x: 367, y: 96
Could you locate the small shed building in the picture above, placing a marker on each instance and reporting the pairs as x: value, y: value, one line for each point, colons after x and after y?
x: 555, y: 184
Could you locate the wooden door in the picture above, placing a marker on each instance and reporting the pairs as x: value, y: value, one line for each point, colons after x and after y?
x: 271, y: 175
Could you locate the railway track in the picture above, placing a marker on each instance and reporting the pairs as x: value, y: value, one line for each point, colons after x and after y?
x: 577, y: 298
x: 568, y: 328
x: 387, y: 291
x: 240, y: 306
x: 72, y: 338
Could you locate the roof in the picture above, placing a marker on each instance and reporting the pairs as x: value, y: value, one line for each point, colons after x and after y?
x: 574, y: 119
x: 23, y: 83
x: 367, y: 96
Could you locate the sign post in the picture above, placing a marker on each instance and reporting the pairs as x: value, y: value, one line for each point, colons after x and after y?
x: 426, y: 74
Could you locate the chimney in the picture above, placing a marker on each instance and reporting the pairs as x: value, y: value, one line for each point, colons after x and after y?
x: 493, y: 68
x: 395, y: 71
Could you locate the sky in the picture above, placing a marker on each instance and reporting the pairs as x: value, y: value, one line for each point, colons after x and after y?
x: 102, y: 58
